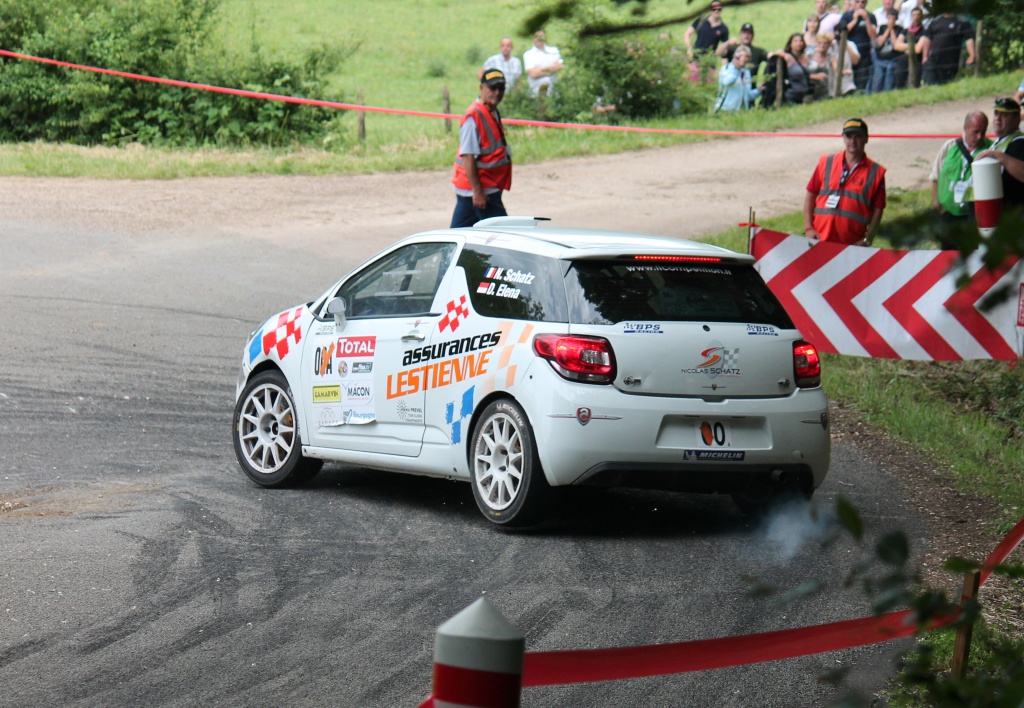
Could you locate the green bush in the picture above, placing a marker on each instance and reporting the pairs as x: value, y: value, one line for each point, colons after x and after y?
x: 644, y: 77
x: 160, y: 38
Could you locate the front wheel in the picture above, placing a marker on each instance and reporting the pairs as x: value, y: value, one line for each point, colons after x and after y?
x: 266, y: 434
x: 508, y: 482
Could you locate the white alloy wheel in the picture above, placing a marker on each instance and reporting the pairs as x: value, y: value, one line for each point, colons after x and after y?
x: 508, y: 483
x: 266, y: 433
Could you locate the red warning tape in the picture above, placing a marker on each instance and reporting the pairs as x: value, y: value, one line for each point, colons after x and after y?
x: 581, y: 666
x: 448, y: 116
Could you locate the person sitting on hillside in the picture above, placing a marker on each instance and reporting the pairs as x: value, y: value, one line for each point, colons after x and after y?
x: 820, y: 64
x: 850, y: 60
x: 735, y: 91
x: 799, y: 78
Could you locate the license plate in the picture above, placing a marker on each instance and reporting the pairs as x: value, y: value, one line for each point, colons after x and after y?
x: 713, y: 434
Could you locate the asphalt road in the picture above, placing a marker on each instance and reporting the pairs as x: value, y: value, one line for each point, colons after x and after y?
x: 140, y: 567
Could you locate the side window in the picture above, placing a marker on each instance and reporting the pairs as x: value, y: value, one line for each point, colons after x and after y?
x: 401, y: 283
x: 514, y: 285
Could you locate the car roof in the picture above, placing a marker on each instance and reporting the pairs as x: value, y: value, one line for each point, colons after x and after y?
x: 534, y: 235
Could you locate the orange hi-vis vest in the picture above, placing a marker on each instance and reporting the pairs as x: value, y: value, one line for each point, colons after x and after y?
x: 494, y: 166
x: 843, y: 210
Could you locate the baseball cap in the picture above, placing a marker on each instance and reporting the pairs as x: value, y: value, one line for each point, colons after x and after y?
x: 1007, y: 105
x: 716, y: 5
x: 855, y: 125
x: 493, y: 77
x: 747, y: 27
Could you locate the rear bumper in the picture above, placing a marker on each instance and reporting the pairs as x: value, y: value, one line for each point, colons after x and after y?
x: 597, y: 435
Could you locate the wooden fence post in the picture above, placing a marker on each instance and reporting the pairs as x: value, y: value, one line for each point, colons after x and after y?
x: 447, y: 99
x: 977, y: 49
x: 361, y: 129
x: 840, y: 64
x: 913, y: 67
x: 962, y: 646
x: 780, y: 80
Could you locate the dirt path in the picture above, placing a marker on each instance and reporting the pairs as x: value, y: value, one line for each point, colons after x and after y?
x: 688, y: 190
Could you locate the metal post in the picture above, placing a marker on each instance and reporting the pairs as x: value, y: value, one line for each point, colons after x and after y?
x: 962, y: 646
x: 478, y: 660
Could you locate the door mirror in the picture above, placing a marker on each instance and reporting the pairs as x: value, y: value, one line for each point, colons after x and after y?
x: 336, y: 307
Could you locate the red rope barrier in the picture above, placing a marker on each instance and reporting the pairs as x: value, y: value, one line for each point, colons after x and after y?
x: 587, y: 665
x: 427, y: 114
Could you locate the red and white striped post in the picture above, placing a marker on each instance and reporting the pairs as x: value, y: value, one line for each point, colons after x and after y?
x: 478, y: 660
x: 988, y: 194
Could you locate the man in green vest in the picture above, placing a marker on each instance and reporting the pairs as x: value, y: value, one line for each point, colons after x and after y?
x: 951, y: 172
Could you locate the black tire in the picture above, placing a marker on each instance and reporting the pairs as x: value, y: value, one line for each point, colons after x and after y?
x: 759, y: 497
x: 508, y: 482
x: 265, y: 432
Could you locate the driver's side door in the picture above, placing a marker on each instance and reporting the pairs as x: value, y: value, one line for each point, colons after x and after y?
x: 389, y: 310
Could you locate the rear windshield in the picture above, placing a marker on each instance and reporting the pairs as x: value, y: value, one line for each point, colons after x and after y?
x: 607, y: 292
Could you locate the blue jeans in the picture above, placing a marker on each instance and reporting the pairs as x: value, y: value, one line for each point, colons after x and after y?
x: 466, y: 214
x: 884, y: 76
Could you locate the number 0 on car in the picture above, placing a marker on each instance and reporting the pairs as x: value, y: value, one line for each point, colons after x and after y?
x: 714, y: 433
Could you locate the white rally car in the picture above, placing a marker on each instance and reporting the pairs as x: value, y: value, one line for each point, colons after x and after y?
x: 521, y: 358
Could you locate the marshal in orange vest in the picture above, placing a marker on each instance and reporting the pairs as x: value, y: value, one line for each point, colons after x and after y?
x: 843, y: 208
x: 494, y: 166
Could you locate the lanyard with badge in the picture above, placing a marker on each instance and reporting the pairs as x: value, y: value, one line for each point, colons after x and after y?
x: 833, y: 198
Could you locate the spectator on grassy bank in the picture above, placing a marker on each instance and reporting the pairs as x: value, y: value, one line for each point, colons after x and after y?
x: 908, y: 42
x: 758, y: 56
x: 799, y: 79
x: 706, y: 33
x: 506, y: 63
x: 542, y: 62
x: 735, y: 90
x: 944, y: 37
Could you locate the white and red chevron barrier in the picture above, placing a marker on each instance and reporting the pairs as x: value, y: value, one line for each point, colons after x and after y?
x: 890, y: 304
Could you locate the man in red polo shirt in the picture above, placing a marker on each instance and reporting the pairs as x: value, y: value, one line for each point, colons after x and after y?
x: 846, y: 194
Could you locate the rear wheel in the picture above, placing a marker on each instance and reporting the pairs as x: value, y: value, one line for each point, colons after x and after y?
x: 266, y: 434
x: 508, y: 482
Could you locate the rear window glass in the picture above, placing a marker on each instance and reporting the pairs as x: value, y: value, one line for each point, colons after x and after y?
x: 607, y: 292
x: 514, y: 285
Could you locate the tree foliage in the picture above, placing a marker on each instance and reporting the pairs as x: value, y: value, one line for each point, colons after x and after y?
x: 160, y: 38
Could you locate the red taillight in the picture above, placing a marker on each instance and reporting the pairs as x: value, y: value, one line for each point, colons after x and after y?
x: 584, y: 359
x: 806, y: 365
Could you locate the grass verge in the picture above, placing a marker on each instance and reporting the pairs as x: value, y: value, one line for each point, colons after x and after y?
x: 426, y: 146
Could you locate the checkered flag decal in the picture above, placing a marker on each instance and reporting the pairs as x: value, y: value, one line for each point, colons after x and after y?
x: 287, y: 328
x: 457, y: 311
x: 730, y: 359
